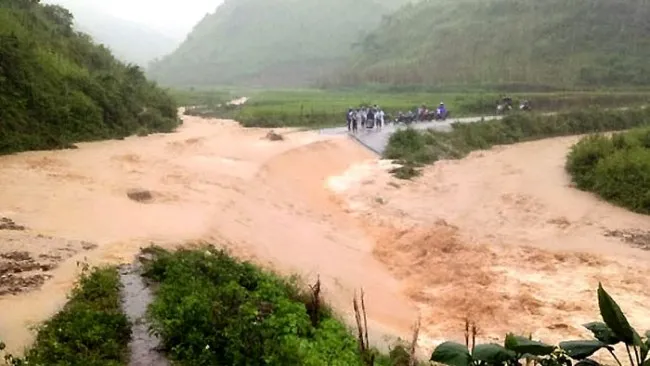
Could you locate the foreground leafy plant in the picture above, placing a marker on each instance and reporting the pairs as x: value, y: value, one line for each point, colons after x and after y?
x: 613, y: 330
x: 514, y: 349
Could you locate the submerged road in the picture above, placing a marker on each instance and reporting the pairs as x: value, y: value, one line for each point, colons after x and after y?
x: 378, y: 140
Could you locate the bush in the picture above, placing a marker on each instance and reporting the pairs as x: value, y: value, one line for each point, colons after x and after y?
x: 213, y: 310
x: 90, y: 330
x: 584, y: 157
x: 425, y: 147
x: 616, y: 168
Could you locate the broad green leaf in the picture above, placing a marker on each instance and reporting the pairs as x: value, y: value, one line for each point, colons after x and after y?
x: 579, y: 350
x: 522, y: 345
x: 602, y: 332
x: 452, y: 354
x: 613, y: 316
x: 493, y: 354
x: 586, y: 362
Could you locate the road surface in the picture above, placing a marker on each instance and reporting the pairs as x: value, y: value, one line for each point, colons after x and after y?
x: 378, y: 140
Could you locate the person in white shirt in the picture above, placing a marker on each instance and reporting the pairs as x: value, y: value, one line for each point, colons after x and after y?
x: 379, y: 119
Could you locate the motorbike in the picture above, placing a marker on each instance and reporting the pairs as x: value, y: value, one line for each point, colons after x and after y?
x: 406, y: 118
x: 440, y: 115
x: 503, y: 108
x: 525, y: 106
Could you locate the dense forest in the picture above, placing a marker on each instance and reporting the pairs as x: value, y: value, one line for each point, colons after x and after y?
x: 563, y: 43
x: 551, y: 43
x: 271, y: 43
x: 58, y: 87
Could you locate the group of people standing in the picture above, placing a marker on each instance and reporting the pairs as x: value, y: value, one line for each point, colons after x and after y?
x: 366, y: 117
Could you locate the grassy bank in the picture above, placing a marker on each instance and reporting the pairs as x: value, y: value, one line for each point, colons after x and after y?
x: 416, y: 148
x: 326, y: 108
x: 90, y: 330
x: 616, y: 167
x: 211, y: 309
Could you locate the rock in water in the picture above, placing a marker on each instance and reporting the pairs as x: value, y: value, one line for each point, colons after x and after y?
x: 274, y: 136
x: 140, y: 195
x: 8, y: 224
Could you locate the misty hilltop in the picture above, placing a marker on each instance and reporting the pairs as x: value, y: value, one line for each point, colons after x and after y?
x: 271, y: 42
x: 129, y: 41
x: 496, y: 42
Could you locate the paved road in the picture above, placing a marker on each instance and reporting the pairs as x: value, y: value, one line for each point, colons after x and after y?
x: 378, y: 140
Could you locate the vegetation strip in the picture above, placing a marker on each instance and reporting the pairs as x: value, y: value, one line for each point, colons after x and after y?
x: 90, y: 330
x: 211, y: 309
x: 617, y: 167
x: 414, y: 149
x: 327, y: 108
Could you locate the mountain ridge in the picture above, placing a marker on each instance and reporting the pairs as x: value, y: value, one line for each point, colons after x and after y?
x: 262, y: 43
x: 495, y: 42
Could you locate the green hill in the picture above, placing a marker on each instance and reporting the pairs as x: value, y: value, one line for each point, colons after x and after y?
x: 270, y: 42
x: 561, y: 43
x: 57, y: 87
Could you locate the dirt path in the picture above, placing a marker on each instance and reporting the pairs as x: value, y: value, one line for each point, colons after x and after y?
x: 212, y: 181
x: 503, y: 238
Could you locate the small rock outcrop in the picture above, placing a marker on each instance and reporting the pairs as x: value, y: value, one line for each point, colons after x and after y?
x: 274, y: 136
x: 140, y: 195
x: 9, y: 224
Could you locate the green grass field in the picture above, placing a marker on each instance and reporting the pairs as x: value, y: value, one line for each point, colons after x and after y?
x: 316, y: 108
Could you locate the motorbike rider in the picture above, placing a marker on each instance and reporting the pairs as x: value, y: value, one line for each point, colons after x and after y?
x: 441, y: 111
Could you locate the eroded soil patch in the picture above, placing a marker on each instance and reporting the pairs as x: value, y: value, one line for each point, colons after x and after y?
x: 22, y: 271
x: 8, y: 224
x: 635, y: 237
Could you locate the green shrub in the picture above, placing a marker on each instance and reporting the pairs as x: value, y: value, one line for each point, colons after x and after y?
x: 213, y: 310
x: 584, y: 156
x: 90, y: 330
x: 617, y: 168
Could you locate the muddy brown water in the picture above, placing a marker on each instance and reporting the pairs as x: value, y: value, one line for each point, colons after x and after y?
x: 499, y: 233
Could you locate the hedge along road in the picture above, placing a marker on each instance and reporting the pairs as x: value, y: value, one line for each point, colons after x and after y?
x: 377, y: 140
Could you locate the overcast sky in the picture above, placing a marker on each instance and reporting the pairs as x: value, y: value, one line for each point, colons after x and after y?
x: 174, y: 17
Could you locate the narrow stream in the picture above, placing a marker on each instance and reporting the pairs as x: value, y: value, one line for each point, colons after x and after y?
x: 136, y: 297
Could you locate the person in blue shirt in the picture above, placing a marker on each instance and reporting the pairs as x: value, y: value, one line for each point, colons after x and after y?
x: 442, y: 111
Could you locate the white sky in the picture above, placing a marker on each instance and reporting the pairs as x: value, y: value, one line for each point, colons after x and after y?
x: 170, y: 16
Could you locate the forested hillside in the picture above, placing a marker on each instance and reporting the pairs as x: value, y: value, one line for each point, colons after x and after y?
x: 271, y: 42
x: 551, y: 42
x: 58, y: 87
